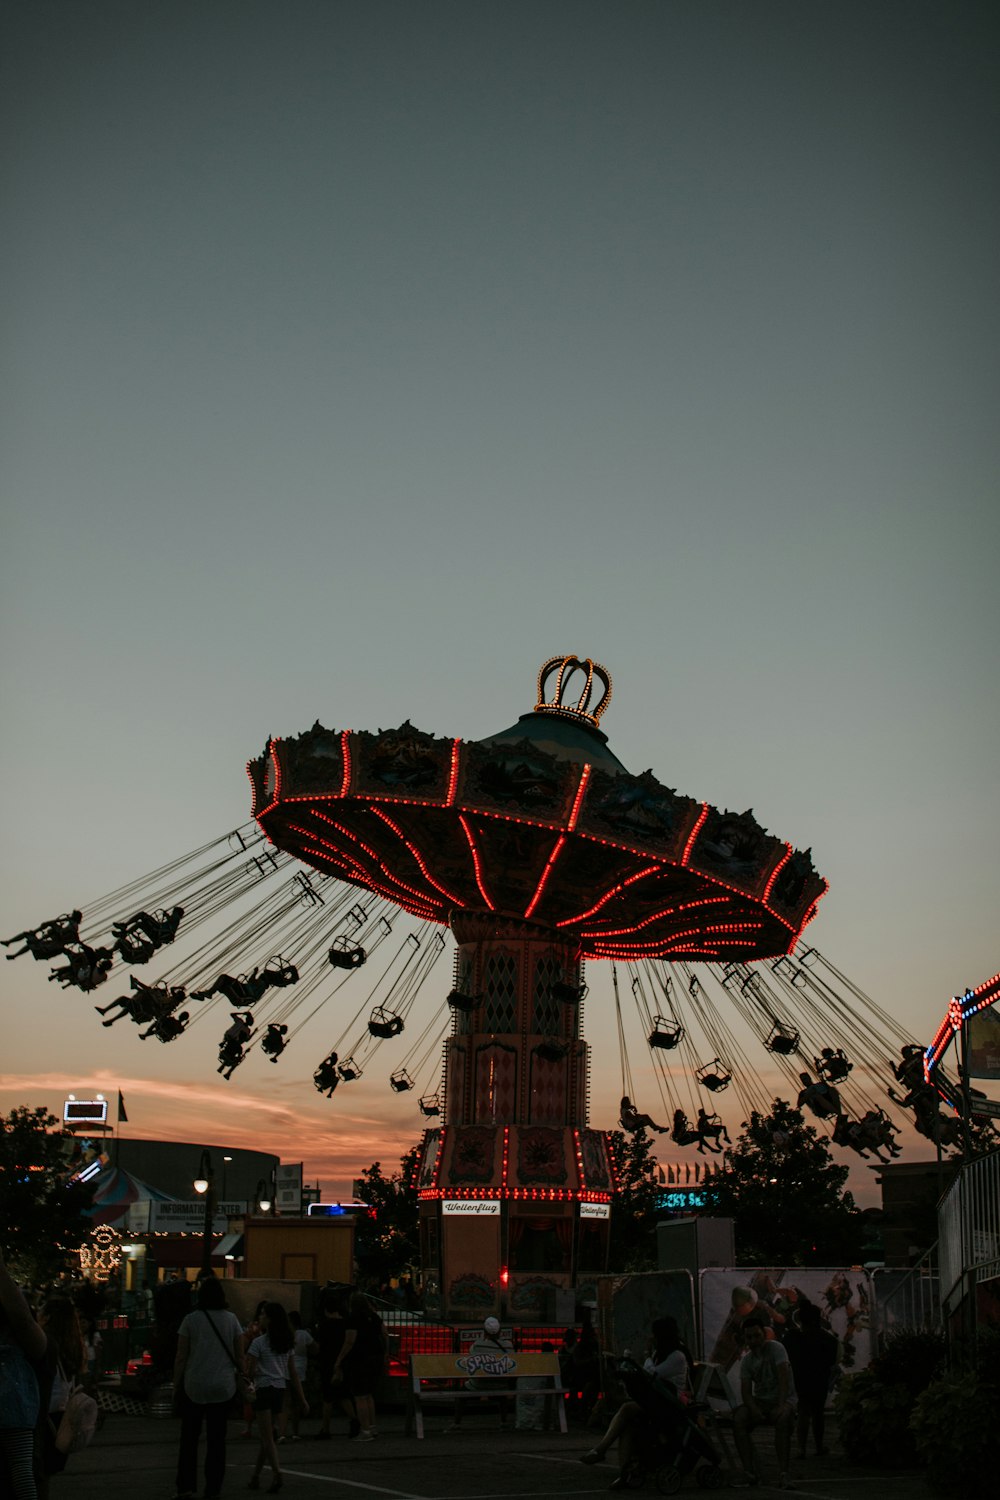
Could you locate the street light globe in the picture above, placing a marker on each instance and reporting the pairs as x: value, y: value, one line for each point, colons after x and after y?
x: 200, y: 1184
x: 264, y: 1205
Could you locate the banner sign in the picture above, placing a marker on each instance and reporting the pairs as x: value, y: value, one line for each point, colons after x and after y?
x: 595, y: 1210
x: 728, y: 1296
x: 181, y: 1218
x: 288, y: 1189
x: 471, y: 1208
x: 984, y: 1044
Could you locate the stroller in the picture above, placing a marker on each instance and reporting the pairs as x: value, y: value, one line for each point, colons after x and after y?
x: 670, y: 1442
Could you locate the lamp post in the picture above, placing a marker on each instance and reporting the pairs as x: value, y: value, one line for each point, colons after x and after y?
x: 225, y: 1162
x: 205, y: 1183
x: 264, y: 1195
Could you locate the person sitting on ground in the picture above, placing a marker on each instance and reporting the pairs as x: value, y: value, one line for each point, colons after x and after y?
x: 670, y: 1364
x: 767, y: 1396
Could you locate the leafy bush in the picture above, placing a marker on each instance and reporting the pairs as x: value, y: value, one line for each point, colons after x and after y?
x: 874, y: 1407
x: 954, y: 1425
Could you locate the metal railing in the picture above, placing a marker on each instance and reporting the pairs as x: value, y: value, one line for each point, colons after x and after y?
x: 907, y: 1299
x: 969, y: 1231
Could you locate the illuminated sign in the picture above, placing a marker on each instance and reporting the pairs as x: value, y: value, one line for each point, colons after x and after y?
x: 595, y: 1210
x: 471, y: 1207
x: 679, y: 1200
x: 332, y: 1210
x: 85, y: 1112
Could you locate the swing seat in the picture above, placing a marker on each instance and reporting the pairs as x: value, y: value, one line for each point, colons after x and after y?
x: 349, y: 1071
x: 568, y: 994
x: 430, y: 1105
x: 384, y: 1023
x: 464, y: 1003
x: 346, y: 955
x: 782, y: 1041
x: 400, y: 1081
x: 711, y: 1080
x: 135, y: 948
x: 665, y: 1034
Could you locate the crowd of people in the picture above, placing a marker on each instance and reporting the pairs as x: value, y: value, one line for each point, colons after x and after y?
x: 784, y: 1384
x: 221, y: 1368
x: 263, y: 1370
x: 268, y: 1368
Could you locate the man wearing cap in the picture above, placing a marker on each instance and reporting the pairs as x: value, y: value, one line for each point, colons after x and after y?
x: 488, y: 1342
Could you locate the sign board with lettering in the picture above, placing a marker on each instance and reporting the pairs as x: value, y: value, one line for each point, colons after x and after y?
x: 181, y: 1218
x: 471, y: 1208
x: 595, y: 1210
x: 288, y: 1189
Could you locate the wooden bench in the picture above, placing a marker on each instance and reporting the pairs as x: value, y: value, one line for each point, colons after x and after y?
x: 442, y: 1378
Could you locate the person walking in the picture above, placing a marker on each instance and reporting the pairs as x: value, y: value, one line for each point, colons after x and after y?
x: 250, y: 1332
x: 302, y: 1342
x: 363, y: 1360
x: 331, y: 1334
x: 209, y: 1354
x: 64, y: 1363
x: 22, y: 1346
x: 271, y: 1365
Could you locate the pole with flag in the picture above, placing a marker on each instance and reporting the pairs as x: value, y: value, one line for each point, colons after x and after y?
x: 122, y: 1120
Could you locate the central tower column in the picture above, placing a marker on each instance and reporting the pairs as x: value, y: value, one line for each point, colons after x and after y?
x: 515, y: 1189
x: 517, y: 1057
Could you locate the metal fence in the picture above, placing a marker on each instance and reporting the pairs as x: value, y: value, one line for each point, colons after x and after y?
x: 969, y: 1232
x: 907, y: 1299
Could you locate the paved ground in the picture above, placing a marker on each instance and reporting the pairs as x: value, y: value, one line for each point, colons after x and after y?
x: 135, y: 1456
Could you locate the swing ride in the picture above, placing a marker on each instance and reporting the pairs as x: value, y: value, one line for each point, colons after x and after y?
x: 539, y: 850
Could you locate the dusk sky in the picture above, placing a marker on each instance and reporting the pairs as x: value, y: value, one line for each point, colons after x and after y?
x: 358, y: 357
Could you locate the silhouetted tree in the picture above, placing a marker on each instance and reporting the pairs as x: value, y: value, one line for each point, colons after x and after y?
x: 633, y: 1209
x: 388, y: 1242
x: 786, y: 1195
x: 41, y: 1211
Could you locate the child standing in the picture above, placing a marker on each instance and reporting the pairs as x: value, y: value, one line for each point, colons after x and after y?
x: 271, y: 1365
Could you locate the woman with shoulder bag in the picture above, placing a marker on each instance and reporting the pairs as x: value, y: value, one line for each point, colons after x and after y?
x: 209, y: 1358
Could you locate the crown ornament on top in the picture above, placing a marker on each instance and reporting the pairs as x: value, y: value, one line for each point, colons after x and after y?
x: 565, y: 670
